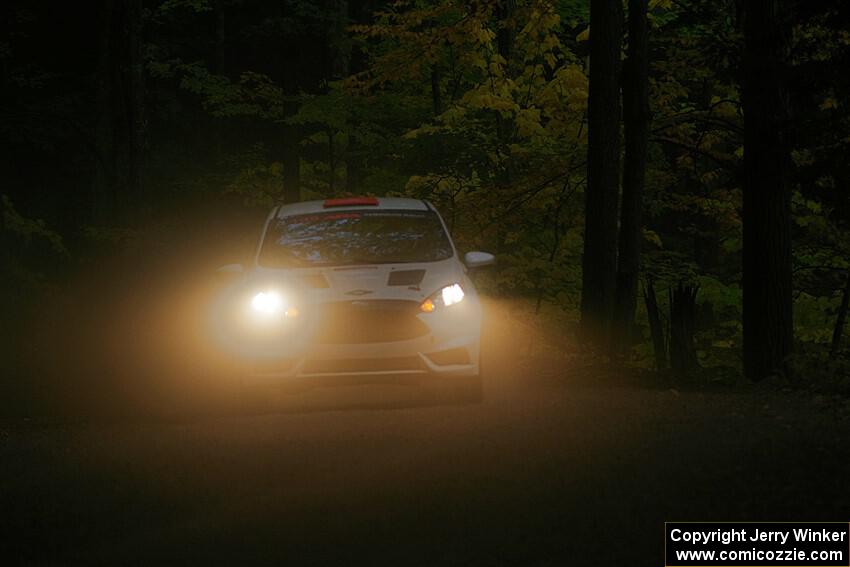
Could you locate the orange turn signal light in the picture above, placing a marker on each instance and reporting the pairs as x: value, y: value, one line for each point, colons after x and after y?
x: 427, y: 306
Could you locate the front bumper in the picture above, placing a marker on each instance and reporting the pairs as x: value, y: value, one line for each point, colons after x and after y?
x: 391, y: 359
x: 448, y: 344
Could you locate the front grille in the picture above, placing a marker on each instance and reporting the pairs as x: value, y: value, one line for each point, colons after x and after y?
x: 369, y: 321
x: 394, y: 364
x: 272, y: 366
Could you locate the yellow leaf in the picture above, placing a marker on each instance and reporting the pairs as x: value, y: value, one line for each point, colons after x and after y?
x: 652, y: 236
x: 584, y: 36
x: 829, y: 102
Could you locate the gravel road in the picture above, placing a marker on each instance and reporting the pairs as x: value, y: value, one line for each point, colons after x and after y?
x: 552, y: 468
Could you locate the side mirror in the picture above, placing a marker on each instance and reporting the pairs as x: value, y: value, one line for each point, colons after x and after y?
x: 478, y: 259
x: 230, y: 269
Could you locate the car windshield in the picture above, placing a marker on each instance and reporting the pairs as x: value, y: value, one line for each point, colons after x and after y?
x: 355, y: 237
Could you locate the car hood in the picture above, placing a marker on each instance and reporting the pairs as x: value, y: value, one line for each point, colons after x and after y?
x: 408, y: 281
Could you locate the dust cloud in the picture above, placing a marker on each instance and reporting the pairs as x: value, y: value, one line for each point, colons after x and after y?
x: 128, y: 337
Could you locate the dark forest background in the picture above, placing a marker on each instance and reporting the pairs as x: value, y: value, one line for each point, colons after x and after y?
x: 657, y: 153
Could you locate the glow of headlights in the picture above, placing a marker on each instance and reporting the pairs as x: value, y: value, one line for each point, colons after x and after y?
x: 267, y: 302
x: 452, y: 294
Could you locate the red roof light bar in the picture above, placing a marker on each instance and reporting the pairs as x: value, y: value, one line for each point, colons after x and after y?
x: 351, y: 202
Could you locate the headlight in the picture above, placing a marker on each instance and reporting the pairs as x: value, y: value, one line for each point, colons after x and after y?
x: 446, y: 297
x: 267, y: 302
x: 271, y: 303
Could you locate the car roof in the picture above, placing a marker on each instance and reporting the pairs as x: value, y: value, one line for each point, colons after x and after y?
x: 307, y: 207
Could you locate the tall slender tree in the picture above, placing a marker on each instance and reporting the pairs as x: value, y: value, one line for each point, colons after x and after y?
x: 767, y: 313
x: 134, y: 91
x: 504, y: 12
x: 103, y: 181
x: 291, y: 157
x: 636, y: 134
x: 121, y: 121
x: 599, y: 263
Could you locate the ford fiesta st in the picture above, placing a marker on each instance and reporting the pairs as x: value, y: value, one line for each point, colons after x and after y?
x: 356, y: 287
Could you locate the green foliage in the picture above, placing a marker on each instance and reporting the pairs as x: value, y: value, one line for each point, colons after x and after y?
x: 504, y: 156
x: 497, y: 140
x: 26, y: 230
x: 29, y: 250
x: 258, y: 179
x: 194, y: 5
x: 482, y: 112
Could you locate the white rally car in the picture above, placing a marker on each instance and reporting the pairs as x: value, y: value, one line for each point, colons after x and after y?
x: 357, y: 287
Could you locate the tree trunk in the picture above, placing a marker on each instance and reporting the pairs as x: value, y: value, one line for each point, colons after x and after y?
x: 656, y: 329
x: 135, y: 107
x: 359, y: 12
x: 767, y: 313
x: 636, y: 132
x: 291, y: 166
x: 331, y: 162
x: 103, y: 182
x: 683, y: 354
x: 291, y: 158
x: 599, y: 263
x: 117, y: 186
x: 220, y: 69
x: 289, y: 73
x: 835, y: 348
x: 504, y: 12
x: 353, y: 165
x: 436, y: 94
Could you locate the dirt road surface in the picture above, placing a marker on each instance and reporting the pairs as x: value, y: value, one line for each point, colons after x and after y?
x: 552, y: 469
